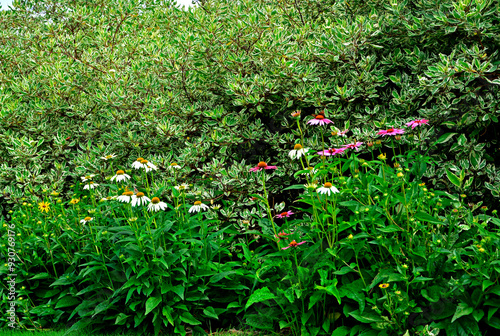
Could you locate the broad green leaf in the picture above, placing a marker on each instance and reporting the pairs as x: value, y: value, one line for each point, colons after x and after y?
x: 260, y: 295
x: 151, y: 303
x: 462, y: 310
x: 189, y: 319
x: 67, y: 301
x: 366, y: 317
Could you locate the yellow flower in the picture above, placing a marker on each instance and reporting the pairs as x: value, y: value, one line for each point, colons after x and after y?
x: 43, y: 207
x: 74, y: 201
x: 382, y: 156
x: 384, y: 285
x: 54, y: 193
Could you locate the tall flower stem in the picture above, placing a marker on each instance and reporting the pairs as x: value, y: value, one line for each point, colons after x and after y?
x: 269, y: 208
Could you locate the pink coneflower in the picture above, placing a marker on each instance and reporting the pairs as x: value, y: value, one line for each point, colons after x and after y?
x: 355, y: 145
x: 391, y: 131
x: 319, y: 120
x: 262, y: 165
x: 282, y: 234
x: 285, y: 214
x: 293, y: 243
x: 332, y: 151
x: 417, y: 122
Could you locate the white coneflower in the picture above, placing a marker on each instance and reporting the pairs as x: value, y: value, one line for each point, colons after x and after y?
x: 297, y: 151
x: 148, y: 165
x: 311, y: 171
x: 311, y: 186
x: 215, y: 207
x: 91, y: 185
x: 120, y: 176
x: 156, y: 205
x: 327, y: 189
x: 174, y: 165
x: 126, y: 196
x: 140, y: 199
x: 198, y: 206
x: 108, y: 157
x: 137, y: 163
x: 86, y: 220
x: 88, y: 177
x: 183, y: 186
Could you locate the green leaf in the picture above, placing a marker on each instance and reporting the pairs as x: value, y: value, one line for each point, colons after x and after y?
x: 121, y: 319
x: 67, y: 301
x: 453, y: 178
x: 259, y: 295
x: 151, y: 303
x: 166, y: 311
x: 444, y: 138
x: 390, y: 228
x: 366, y: 316
x: 189, y: 319
x: 422, y: 216
x: 210, y: 312
x: 462, y: 310
x: 41, y: 276
x: 478, y: 314
x: 341, y: 331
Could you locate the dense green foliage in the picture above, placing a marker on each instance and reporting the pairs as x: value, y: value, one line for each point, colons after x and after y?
x: 406, y: 246
x: 212, y: 86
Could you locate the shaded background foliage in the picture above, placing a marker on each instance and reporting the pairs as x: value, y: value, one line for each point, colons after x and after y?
x: 216, y: 84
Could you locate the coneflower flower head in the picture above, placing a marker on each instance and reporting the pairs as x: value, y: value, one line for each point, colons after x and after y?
x: 140, y: 199
x: 125, y: 196
x: 137, y: 163
x: 297, y: 151
x: 156, y: 205
x: 391, y: 131
x: 328, y: 188
x: 262, y: 165
x: 417, y: 122
x: 285, y: 214
x: 293, y: 243
x: 198, y: 206
x: 120, y: 176
x: 319, y: 120
x: 332, y: 151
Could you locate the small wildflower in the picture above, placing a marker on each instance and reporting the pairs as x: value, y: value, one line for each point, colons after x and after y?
x: 215, y: 207
x: 86, y: 220
x: 293, y: 243
x: 350, y: 236
x: 378, y: 142
x: 391, y: 131
x: 43, y: 206
x: 296, y: 114
x: 397, y: 137
x: 327, y: 189
x: 404, y: 266
x: 384, y: 285
x: 369, y: 143
x: 343, y: 133
x: 108, y: 157
x: 382, y: 156
x: 140, y: 199
x: 262, y: 165
x: 88, y: 177
x: 91, y: 185
x: 319, y: 120
x: 54, y: 193
x: 400, y: 174
x: 397, y: 292
x: 74, y: 201
x: 482, y: 250
x: 285, y: 214
x: 297, y: 151
x: 417, y: 122
x: 463, y: 196
x: 156, y: 205
x: 198, y: 206
x: 120, y: 176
